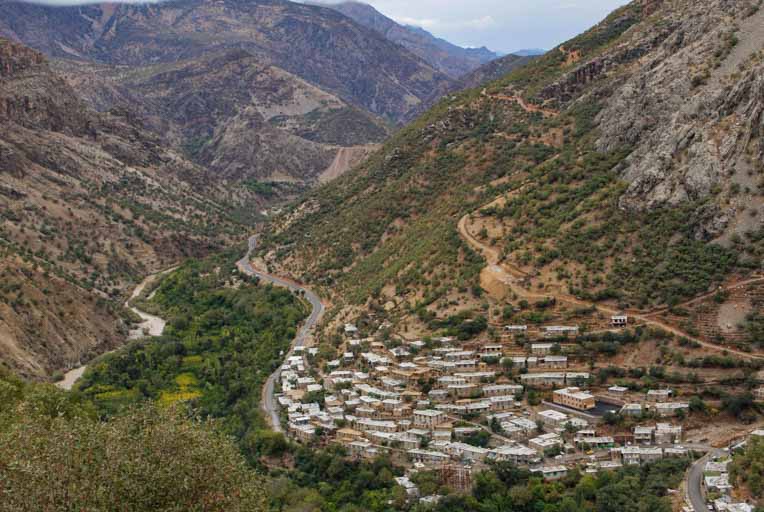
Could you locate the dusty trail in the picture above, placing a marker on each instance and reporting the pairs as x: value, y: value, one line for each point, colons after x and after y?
x: 511, y: 277
x: 345, y: 159
x: 527, y: 107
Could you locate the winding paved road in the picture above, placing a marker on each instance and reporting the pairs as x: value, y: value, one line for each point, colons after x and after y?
x: 268, y: 402
x: 695, y: 482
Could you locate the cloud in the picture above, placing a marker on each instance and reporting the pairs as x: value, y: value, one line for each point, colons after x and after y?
x: 418, y: 22
x: 434, y: 23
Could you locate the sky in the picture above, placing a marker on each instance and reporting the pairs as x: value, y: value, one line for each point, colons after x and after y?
x: 501, y: 25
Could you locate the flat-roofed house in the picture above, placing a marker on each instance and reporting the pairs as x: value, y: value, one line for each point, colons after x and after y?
x: 635, y: 455
x: 541, y: 349
x: 644, y: 435
x: 554, y: 362
x: 551, y: 473
x: 669, y: 409
x: 501, y: 403
x: 462, y: 390
x: 551, y: 418
x: 665, y: 433
x: 597, y: 443
x: 367, y: 424
x: 362, y: 449
x: 574, y: 398
x: 543, y: 379
x: 658, y: 395
x: 427, y: 456
x: 517, y: 454
x: 619, y: 320
x: 428, y: 418
x: 466, y: 451
x: 559, y: 331
x: 502, y: 389
x: 632, y: 410
x: 545, y: 442
x: 617, y: 391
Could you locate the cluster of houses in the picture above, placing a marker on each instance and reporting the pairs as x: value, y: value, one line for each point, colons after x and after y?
x: 445, y: 404
x: 656, y: 401
x: 716, y: 482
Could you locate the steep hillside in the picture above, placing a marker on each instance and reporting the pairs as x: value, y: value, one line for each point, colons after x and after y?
x: 491, y: 71
x: 481, y: 76
x: 452, y: 60
x: 88, y: 204
x: 317, y: 44
x: 232, y: 114
x: 621, y: 168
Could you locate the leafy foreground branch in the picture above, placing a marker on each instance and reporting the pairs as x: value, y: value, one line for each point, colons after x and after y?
x: 55, y: 455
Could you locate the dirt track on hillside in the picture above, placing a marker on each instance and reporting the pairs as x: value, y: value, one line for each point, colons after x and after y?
x: 500, y: 279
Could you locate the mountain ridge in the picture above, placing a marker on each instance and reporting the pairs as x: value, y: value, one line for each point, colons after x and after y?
x: 312, y: 42
x: 449, y: 58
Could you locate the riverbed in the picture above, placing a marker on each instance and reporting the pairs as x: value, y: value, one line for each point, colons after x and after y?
x: 150, y: 326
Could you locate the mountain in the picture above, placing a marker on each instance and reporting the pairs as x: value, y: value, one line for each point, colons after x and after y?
x: 89, y: 203
x: 448, y: 58
x: 232, y: 114
x: 267, y: 91
x: 486, y: 73
x: 529, y: 52
x: 317, y: 44
x: 621, y: 169
x: 491, y: 71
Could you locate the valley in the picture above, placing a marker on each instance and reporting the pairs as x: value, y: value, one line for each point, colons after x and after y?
x: 287, y: 256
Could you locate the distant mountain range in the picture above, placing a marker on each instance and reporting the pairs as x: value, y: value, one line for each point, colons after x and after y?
x: 266, y: 89
x: 529, y: 52
x: 452, y: 60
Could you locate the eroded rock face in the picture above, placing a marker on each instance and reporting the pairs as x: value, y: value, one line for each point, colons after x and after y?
x: 15, y: 58
x: 690, y: 105
x: 685, y: 91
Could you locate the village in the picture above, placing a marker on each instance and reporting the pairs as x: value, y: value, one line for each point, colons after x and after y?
x: 452, y: 407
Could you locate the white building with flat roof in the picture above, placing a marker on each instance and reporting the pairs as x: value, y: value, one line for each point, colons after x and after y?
x: 560, y: 331
x: 515, y: 453
x: 551, y: 473
x: 428, y: 418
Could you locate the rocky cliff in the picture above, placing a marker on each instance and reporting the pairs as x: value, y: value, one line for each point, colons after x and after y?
x: 233, y: 114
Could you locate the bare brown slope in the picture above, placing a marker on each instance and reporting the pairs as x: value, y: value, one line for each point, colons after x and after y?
x: 88, y: 203
x: 452, y: 60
